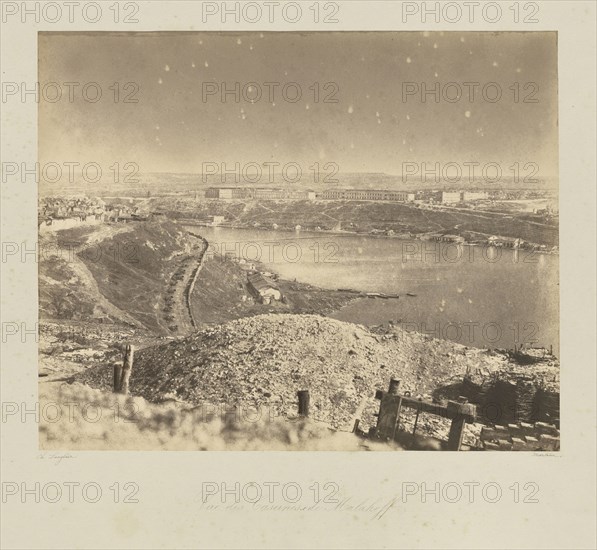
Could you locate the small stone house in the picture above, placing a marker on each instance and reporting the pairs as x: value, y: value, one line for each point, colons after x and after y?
x: 263, y: 289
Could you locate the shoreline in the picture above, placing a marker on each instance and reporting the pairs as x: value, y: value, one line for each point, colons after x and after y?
x: 344, y: 233
x: 368, y: 300
x: 226, y: 283
x: 278, y: 278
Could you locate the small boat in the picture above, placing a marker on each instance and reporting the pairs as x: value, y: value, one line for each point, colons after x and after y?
x: 411, y: 294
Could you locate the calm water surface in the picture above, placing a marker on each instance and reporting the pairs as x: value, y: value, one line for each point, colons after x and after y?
x: 484, y: 297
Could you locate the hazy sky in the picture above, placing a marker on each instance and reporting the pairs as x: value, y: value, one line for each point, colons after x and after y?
x: 370, y: 128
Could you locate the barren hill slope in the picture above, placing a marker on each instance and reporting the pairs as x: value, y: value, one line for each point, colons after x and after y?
x: 116, y: 270
x: 265, y: 360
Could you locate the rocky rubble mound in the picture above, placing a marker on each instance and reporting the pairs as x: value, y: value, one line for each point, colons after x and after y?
x: 118, y: 422
x: 264, y: 360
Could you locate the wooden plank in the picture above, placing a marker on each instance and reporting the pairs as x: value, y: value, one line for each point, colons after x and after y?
x: 391, y: 403
x: 445, y: 411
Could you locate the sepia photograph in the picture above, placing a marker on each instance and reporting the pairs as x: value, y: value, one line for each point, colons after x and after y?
x: 259, y: 257
x: 299, y: 241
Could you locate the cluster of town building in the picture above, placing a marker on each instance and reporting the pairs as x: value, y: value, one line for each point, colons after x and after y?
x: 424, y: 198
x: 267, y: 193
x: 76, y: 207
x: 278, y: 193
x: 366, y: 195
x: 454, y: 197
x: 85, y: 209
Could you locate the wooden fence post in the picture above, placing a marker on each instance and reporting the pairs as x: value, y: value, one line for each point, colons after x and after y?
x: 456, y: 433
x: 458, y: 423
x: 389, y: 411
x: 393, y: 390
x: 394, y: 386
x: 117, y: 377
x: 416, y: 420
x: 303, y: 402
x: 127, y: 368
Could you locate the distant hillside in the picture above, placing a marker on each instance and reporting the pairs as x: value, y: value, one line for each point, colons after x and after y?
x: 159, y: 184
x: 363, y: 217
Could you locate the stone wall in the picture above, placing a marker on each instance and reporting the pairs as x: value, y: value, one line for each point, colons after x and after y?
x: 521, y: 437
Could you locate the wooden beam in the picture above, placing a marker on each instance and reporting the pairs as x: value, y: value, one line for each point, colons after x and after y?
x: 117, y: 377
x: 389, y: 412
x: 456, y: 434
x: 391, y: 403
x: 450, y: 411
x: 127, y: 369
x: 303, y: 402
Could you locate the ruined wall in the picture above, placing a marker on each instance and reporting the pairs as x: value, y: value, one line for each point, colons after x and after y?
x: 521, y: 437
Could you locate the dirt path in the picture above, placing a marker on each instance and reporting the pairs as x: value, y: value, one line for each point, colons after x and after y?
x: 179, y: 296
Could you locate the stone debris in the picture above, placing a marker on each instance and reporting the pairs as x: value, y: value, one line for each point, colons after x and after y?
x: 118, y: 422
x: 263, y: 361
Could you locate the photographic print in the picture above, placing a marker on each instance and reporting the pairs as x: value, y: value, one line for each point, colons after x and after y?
x: 260, y: 258
x: 299, y: 240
